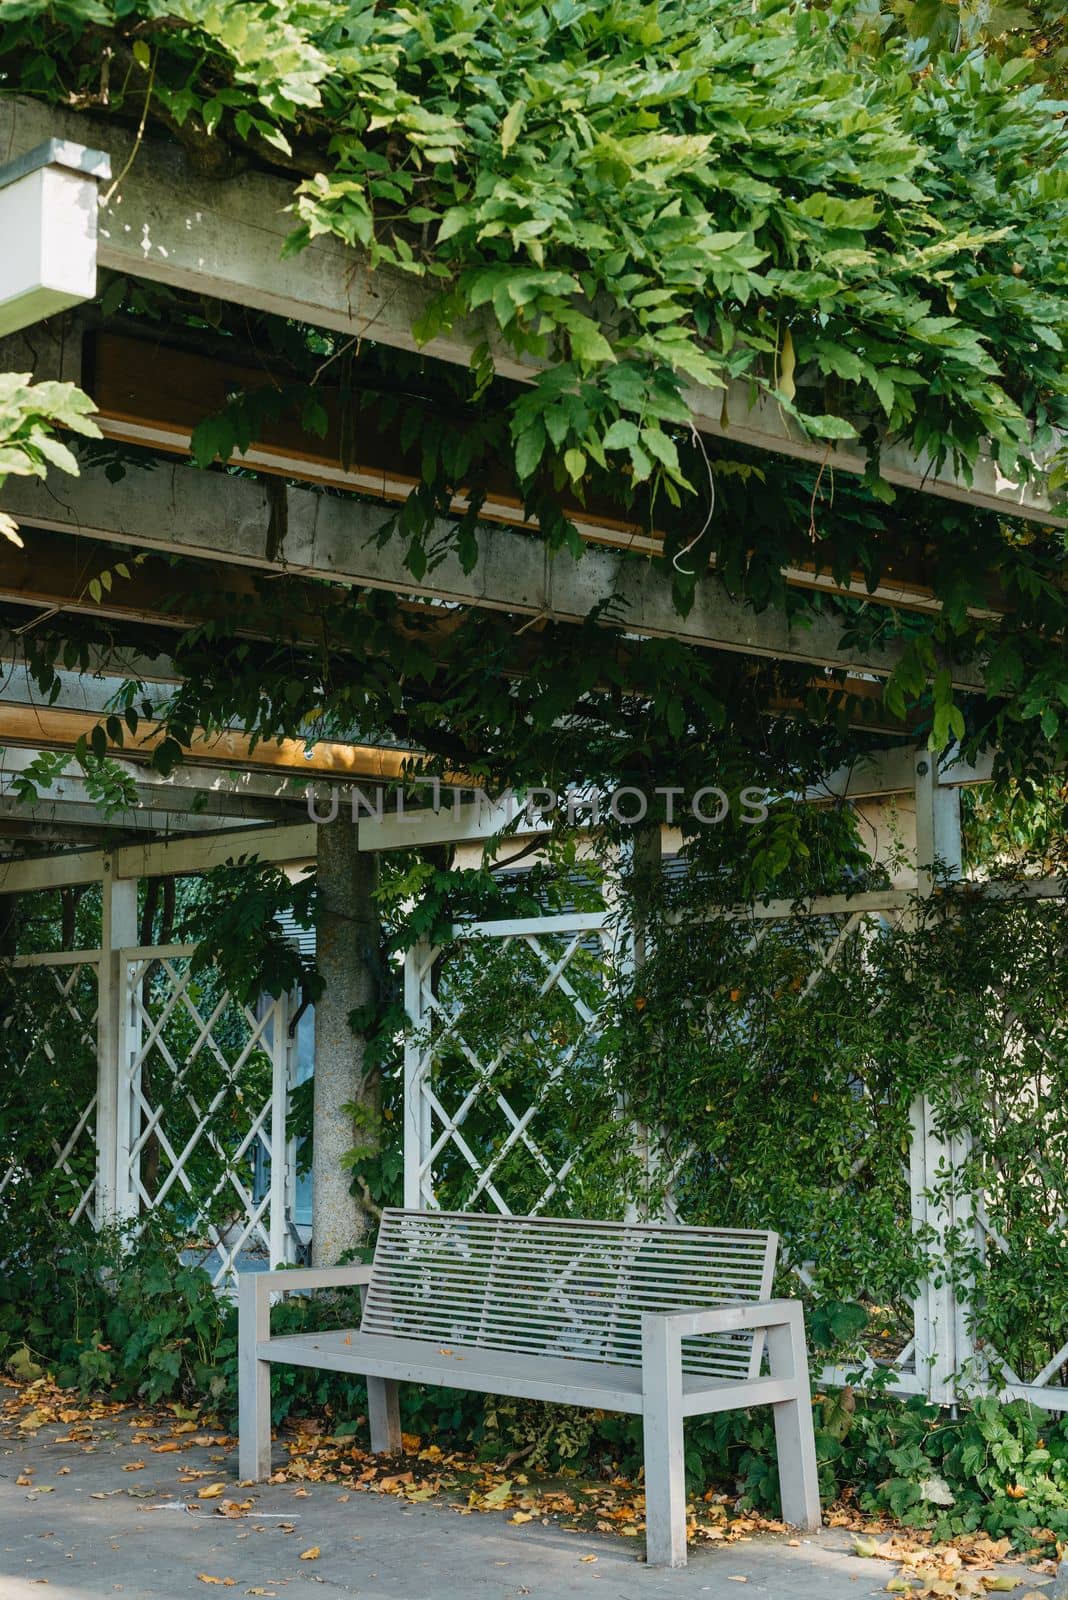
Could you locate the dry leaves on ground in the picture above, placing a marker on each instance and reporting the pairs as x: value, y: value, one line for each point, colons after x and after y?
x: 963, y: 1570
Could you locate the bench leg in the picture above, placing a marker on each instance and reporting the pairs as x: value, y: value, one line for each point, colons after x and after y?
x: 665, y: 1478
x: 254, y: 1382
x: 383, y: 1414
x: 795, y: 1438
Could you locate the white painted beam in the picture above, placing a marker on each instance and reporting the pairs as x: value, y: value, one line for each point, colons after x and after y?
x: 198, y: 802
x: 224, y: 238
x: 214, y: 516
x: 48, y: 224
x: 79, y: 691
x: 73, y: 808
x: 470, y: 823
x: 68, y: 870
x: 189, y: 785
x: 294, y: 845
x: 887, y: 772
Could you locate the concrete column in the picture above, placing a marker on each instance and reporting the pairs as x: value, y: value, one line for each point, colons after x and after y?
x: 348, y: 956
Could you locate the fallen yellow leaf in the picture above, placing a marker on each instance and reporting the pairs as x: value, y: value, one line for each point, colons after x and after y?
x: 587, y: 1558
x: 211, y: 1491
x: 233, y: 1508
x: 522, y: 1516
x: 312, y: 1554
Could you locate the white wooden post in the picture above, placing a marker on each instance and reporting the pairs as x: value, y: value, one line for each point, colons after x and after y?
x: 934, y: 1309
x: 665, y: 1473
x: 418, y: 1060
x: 118, y: 929
x: 281, y: 1074
x: 253, y: 1378
x: 629, y: 889
x: 130, y: 981
x: 934, y: 1160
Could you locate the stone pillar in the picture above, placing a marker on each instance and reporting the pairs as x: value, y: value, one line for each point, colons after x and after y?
x: 348, y: 957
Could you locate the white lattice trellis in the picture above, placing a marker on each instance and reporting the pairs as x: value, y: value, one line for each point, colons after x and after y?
x: 432, y: 1123
x: 936, y: 1356
x: 203, y: 1093
x: 67, y: 970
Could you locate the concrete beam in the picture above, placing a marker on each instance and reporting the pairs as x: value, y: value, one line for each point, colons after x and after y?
x: 224, y: 239
x: 214, y: 516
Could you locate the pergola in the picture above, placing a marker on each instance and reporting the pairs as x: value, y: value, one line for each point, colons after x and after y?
x: 159, y: 222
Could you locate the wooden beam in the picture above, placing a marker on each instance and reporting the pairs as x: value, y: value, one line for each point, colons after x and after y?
x: 295, y: 845
x: 206, y: 793
x: 52, y: 727
x: 215, y: 516
x: 224, y: 238
x: 190, y: 784
x: 288, y: 846
x: 44, y: 816
x: 470, y: 823
x: 68, y: 870
x: 888, y: 772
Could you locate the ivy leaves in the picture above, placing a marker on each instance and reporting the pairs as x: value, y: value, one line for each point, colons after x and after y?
x: 630, y: 201
x: 705, y: 194
x: 30, y: 413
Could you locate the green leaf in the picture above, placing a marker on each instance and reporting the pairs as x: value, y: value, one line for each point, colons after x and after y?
x: 511, y: 125
x: 622, y: 435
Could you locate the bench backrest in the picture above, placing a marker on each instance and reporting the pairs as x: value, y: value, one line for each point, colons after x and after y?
x: 543, y: 1286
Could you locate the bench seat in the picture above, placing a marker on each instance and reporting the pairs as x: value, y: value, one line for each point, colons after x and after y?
x: 560, y: 1379
x: 662, y: 1322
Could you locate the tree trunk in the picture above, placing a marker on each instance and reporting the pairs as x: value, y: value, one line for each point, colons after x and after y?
x: 348, y: 946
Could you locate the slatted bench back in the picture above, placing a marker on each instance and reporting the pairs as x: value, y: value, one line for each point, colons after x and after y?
x: 544, y: 1287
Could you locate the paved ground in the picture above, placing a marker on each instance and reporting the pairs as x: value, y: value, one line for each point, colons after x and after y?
x: 141, y: 1541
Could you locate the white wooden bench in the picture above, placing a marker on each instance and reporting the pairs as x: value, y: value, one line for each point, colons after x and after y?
x: 663, y: 1322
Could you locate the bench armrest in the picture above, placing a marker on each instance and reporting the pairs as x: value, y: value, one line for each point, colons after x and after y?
x: 723, y: 1319
x: 254, y: 1291
x: 295, y: 1280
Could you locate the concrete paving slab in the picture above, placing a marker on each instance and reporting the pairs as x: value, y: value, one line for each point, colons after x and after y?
x: 141, y: 1542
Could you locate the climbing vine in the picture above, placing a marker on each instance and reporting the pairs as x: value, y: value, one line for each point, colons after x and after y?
x: 864, y: 223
